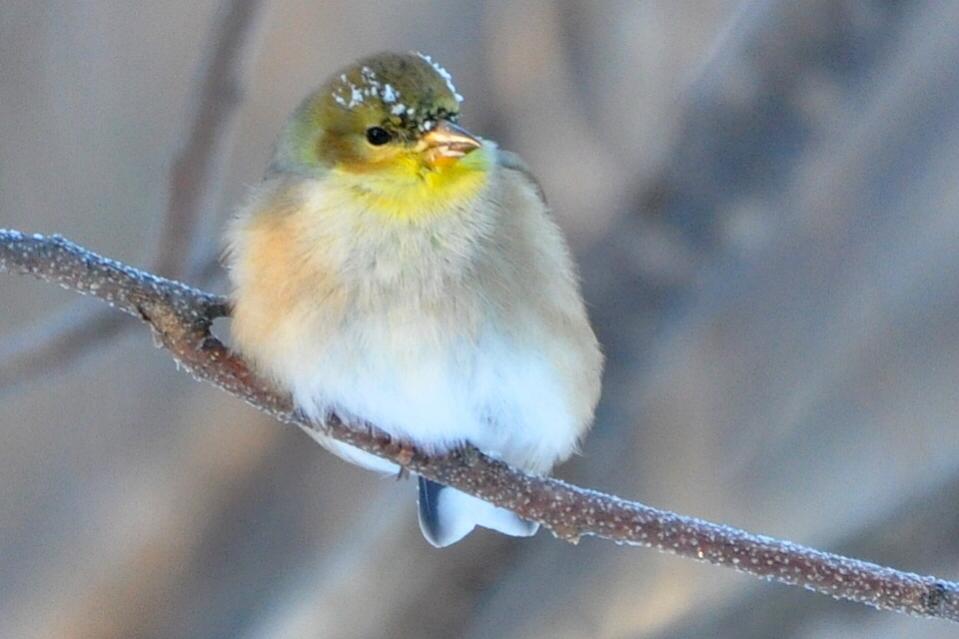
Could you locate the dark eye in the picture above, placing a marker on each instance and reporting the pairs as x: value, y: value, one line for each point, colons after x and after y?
x: 377, y: 136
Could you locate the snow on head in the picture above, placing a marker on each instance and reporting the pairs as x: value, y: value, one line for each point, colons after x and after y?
x: 443, y: 74
x: 354, y: 88
x: 389, y: 94
x: 349, y: 94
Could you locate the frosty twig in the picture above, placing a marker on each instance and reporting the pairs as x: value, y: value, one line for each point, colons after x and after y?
x: 181, y: 317
x: 194, y: 181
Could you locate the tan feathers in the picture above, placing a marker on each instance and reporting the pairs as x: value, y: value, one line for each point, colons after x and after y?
x: 325, y: 287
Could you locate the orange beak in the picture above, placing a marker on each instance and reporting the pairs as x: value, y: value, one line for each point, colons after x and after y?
x: 447, y: 140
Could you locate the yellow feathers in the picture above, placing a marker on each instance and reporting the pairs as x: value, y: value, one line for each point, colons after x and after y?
x: 406, y: 186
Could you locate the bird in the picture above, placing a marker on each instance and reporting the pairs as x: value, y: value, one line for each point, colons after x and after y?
x: 395, y: 269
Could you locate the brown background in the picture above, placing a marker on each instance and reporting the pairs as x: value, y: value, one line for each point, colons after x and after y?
x: 763, y: 197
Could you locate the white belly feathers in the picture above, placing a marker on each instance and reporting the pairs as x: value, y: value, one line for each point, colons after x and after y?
x: 491, y: 393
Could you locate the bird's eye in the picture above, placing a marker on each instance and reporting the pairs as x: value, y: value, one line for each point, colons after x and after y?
x: 377, y: 136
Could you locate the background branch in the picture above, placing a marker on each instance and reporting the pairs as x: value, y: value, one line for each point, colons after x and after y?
x: 181, y: 316
x: 195, y: 181
x: 197, y: 172
x: 56, y: 343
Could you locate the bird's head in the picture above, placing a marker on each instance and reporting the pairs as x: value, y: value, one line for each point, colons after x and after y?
x: 385, y: 129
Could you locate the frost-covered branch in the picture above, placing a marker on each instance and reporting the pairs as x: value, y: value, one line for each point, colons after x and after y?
x: 194, y: 182
x: 181, y: 317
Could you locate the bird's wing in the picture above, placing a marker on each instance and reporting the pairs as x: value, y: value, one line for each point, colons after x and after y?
x: 513, y: 162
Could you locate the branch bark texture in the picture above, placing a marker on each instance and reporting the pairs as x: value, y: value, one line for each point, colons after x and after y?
x: 181, y: 317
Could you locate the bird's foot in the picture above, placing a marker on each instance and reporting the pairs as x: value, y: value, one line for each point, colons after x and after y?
x: 403, y: 455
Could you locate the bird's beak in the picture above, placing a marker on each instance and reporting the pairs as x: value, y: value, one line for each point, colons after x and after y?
x: 447, y: 140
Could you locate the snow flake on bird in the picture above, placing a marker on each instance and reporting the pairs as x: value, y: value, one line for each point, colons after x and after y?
x: 389, y: 94
x: 443, y: 74
x: 412, y: 89
x: 349, y: 94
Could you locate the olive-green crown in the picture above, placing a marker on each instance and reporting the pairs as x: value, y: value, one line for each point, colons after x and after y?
x: 405, y: 93
x: 409, y: 90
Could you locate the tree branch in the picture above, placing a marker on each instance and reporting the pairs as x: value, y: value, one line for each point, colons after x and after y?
x: 56, y: 342
x: 181, y: 316
x: 195, y: 179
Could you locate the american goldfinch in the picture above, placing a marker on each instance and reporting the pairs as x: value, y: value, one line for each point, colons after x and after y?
x: 394, y: 268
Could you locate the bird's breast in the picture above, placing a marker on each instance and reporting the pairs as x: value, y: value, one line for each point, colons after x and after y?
x: 414, y: 327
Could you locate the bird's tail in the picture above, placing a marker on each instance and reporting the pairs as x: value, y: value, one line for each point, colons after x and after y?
x: 447, y: 515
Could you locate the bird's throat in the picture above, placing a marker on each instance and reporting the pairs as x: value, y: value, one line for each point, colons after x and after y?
x: 412, y: 189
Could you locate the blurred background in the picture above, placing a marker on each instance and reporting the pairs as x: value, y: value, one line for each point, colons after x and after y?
x: 762, y: 195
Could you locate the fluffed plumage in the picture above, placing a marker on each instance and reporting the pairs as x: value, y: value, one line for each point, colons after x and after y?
x: 418, y: 284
